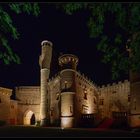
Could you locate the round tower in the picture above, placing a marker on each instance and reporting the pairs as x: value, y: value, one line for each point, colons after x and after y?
x: 44, y: 62
x: 68, y: 64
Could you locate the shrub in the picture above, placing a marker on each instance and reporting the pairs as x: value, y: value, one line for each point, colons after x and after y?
x: 37, y: 123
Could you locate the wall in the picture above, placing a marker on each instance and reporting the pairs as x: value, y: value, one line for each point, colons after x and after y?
x: 86, y: 97
x: 28, y: 100
x: 115, y: 98
x: 13, y: 112
x: 54, y: 90
x: 5, y: 94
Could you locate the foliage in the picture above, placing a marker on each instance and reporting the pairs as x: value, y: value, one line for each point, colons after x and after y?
x: 125, y: 20
x: 116, y: 25
x: 7, y: 28
x: 37, y: 123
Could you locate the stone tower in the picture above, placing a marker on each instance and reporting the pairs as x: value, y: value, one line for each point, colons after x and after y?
x: 44, y: 62
x: 68, y: 64
x: 134, y: 77
x: 135, y: 98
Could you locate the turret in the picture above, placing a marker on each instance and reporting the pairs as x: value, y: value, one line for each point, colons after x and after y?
x: 68, y: 61
x: 45, y: 61
x: 68, y: 64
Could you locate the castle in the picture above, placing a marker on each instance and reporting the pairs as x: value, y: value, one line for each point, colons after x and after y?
x: 69, y: 99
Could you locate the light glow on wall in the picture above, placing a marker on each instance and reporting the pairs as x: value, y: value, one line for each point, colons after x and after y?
x: 27, y: 117
x: 66, y: 122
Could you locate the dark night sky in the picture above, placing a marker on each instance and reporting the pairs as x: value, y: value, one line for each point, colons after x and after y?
x: 69, y: 34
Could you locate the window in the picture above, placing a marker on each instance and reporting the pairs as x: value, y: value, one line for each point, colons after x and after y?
x: 113, y: 92
x: 71, y: 109
x: 12, y: 106
x: 85, y: 95
x: 52, y: 109
x: 0, y: 100
x: 101, y: 101
x: 134, y: 103
x: 128, y: 98
x: 94, y: 101
x: 57, y: 96
x: 66, y: 84
x: 47, y: 109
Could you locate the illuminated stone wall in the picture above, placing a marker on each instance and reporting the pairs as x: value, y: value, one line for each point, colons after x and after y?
x: 28, y: 100
x: 68, y: 96
x: 5, y: 94
x: 86, y: 94
x: 13, y: 112
x: 86, y: 97
x: 135, y: 104
x: 114, y: 98
x: 54, y: 89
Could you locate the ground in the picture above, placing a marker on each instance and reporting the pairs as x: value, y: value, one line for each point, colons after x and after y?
x: 57, y: 132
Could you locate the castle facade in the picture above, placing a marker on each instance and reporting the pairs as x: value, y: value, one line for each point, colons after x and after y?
x: 69, y: 99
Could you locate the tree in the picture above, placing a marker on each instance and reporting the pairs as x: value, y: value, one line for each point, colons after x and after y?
x: 116, y: 25
x: 7, y: 55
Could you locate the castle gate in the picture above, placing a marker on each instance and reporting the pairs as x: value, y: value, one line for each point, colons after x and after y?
x: 29, y: 118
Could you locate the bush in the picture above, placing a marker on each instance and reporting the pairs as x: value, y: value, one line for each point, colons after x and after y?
x: 2, y: 123
x: 37, y: 123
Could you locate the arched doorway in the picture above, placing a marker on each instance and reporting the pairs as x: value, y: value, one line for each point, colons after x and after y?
x: 29, y: 118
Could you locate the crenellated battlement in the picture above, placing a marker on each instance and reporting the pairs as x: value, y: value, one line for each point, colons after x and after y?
x: 53, y: 77
x: 6, y: 91
x: 83, y: 77
x: 119, y: 83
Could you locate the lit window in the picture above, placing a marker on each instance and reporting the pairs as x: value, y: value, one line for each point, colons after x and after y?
x: 66, y: 83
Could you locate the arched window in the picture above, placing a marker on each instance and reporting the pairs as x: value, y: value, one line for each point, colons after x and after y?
x: 94, y: 101
x: 71, y: 110
x: 66, y: 84
x: 85, y: 94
